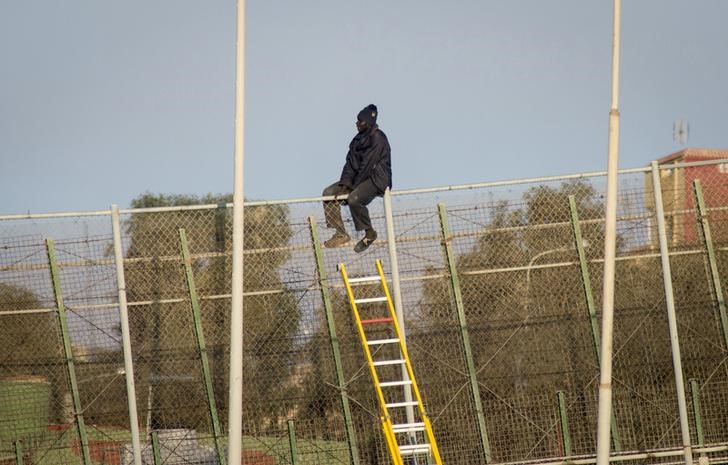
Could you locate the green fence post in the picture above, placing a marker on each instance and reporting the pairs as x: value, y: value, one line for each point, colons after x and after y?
x: 591, y: 307
x: 564, y: 422
x: 68, y: 351
x: 715, y: 280
x: 156, y: 455
x: 292, y: 442
x: 200, y: 338
x: 707, y: 237
x: 18, y: 452
x: 697, y: 411
x: 464, y: 333
x: 326, y: 297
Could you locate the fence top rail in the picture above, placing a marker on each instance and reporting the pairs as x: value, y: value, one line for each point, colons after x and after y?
x: 256, y: 203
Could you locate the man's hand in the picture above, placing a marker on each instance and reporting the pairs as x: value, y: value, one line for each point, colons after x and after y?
x: 343, y: 190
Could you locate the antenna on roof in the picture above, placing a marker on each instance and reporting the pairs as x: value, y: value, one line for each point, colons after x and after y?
x: 680, y: 131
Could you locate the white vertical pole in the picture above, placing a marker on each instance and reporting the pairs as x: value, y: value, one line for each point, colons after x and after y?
x: 125, y: 336
x: 671, y: 318
x: 610, y: 249
x: 235, y: 402
x: 397, y: 293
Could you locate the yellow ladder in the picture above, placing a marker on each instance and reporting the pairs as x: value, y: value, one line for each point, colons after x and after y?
x: 405, y: 435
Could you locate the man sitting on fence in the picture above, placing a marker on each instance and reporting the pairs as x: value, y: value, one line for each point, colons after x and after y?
x: 367, y: 173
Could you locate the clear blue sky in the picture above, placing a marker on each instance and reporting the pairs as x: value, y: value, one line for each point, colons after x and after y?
x: 101, y: 101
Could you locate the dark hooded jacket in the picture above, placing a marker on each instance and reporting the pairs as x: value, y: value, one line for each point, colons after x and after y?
x: 369, y: 157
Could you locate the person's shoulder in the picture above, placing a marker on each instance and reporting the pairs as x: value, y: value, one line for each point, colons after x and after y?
x: 379, y: 134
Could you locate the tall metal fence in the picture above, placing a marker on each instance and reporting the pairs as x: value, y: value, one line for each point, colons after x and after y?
x: 501, y: 296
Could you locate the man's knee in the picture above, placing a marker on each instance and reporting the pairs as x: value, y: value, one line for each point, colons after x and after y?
x: 328, y: 191
x: 354, y: 199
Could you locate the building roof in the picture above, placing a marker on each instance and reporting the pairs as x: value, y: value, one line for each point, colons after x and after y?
x: 705, y: 154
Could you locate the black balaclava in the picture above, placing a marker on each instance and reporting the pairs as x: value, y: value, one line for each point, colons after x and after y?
x: 368, y: 115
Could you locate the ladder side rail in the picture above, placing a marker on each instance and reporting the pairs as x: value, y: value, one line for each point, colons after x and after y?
x: 392, y: 444
x: 385, y: 418
x: 402, y: 347
x: 405, y: 356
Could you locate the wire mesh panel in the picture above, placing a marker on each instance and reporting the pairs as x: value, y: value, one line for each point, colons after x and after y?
x: 501, y: 306
x: 521, y: 293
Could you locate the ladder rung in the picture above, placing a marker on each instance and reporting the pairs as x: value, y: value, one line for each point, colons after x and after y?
x: 395, y: 383
x: 401, y: 404
x: 408, y: 427
x: 388, y: 362
x: 383, y: 341
x: 370, y: 300
x: 365, y: 279
x: 377, y: 320
x: 414, y: 449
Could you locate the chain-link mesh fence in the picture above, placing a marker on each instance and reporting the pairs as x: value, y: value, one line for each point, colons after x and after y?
x: 501, y: 295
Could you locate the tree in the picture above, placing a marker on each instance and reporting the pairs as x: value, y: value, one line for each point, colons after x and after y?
x: 529, y: 327
x: 531, y: 332
x: 162, y: 332
x: 32, y: 344
x: 321, y: 405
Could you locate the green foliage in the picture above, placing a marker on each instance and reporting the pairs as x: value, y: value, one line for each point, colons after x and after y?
x: 530, y: 329
x: 163, y: 333
x: 322, y: 396
x: 31, y: 342
x: 26, y: 335
x: 517, y: 236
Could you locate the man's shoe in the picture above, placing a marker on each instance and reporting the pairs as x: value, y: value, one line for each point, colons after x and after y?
x: 339, y: 238
x: 366, y: 241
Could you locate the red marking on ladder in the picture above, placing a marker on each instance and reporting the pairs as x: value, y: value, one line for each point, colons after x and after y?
x: 376, y: 320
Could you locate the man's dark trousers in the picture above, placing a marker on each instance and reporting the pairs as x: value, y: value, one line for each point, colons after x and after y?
x: 358, y: 199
